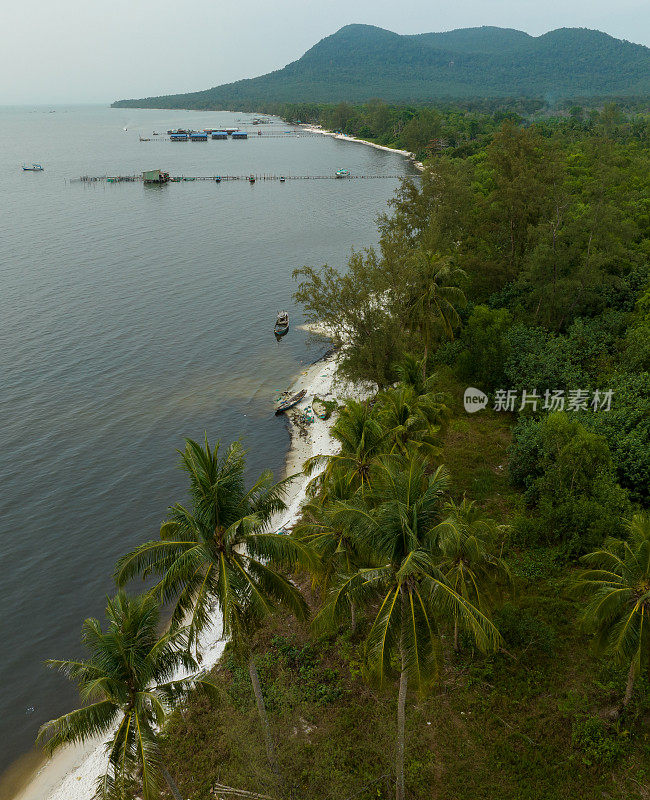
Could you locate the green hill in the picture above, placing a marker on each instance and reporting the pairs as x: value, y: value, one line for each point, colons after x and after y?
x: 359, y: 62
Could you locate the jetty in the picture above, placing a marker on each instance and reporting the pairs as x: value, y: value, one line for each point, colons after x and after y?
x: 249, y: 177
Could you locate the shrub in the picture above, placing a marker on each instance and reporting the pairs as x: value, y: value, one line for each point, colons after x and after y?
x: 523, y: 631
x: 626, y: 428
x: 569, y: 481
x: 591, y: 736
x: 485, y: 347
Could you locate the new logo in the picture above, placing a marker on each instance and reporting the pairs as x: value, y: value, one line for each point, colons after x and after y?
x: 474, y: 400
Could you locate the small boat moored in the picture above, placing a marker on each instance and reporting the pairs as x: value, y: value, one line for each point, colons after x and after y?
x: 285, y: 405
x: 281, y: 323
x: 33, y: 168
x: 251, y: 178
x: 342, y: 173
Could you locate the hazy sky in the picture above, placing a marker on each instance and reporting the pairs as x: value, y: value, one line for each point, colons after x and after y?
x: 59, y: 51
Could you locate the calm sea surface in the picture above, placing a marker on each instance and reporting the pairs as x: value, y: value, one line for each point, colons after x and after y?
x: 132, y: 317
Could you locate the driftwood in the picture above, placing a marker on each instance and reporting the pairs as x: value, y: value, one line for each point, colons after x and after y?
x: 220, y: 790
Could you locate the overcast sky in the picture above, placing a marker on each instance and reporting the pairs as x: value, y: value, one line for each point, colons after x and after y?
x: 66, y: 51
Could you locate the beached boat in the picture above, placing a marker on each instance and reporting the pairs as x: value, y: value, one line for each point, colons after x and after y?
x: 285, y: 405
x: 281, y: 324
x: 319, y: 408
x: 33, y: 168
x: 342, y: 173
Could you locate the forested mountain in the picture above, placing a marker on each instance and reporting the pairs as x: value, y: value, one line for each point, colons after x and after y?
x: 359, y: 62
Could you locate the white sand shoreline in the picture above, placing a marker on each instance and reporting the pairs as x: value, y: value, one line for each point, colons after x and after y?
x: 344, y: 137
x: 71, y: 773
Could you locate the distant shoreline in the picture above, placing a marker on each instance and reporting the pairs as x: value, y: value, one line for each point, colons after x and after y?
x: 303, y: 126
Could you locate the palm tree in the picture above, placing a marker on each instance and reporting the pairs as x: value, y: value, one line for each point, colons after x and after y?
x: 321, y: 529
x: 412, y: 420
x: 411, y: 371
x: 395, y: 526
x: 468, y: 542
x: 129, y: 686
x: 219, y: 551
x: 435, y: 297
x: 618, y: 611
x: 361, y: 437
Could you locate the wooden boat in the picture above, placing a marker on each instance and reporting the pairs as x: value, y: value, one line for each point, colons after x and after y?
x: 285, y: 405
x: 281, y: 324
x: 33, y: 168
x: 319, y: 408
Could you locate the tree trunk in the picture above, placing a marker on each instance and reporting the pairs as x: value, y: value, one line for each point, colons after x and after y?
x: 266, y: 729
x: 353, y: 617
x: 172, y: 784
x: 456, y: 647
x: 401, y: 710
x: 631, y: 675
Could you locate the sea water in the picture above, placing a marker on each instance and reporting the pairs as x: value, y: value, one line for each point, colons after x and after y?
x: 131, y: 317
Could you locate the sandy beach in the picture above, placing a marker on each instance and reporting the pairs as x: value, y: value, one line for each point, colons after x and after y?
x: 411, y: 156
x: 71, y: 774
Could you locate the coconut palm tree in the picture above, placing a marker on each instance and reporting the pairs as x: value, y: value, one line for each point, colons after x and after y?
x: 471, y: 563
x: 361, y: 437
x: 219, y: 551
x: 411, y: 371
x: 395, y: 526
x: 129, y: 683
x: 412, y: 420
x: 321, y: 529
x: 434, y: 298
x: 617, y: 584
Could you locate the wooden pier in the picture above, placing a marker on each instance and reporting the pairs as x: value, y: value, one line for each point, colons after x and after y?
x: 224, y: 178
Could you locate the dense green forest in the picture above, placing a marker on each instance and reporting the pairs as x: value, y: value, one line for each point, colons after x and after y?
x: 463, y: 608
x: 359, y: 62
x: 460, y: 130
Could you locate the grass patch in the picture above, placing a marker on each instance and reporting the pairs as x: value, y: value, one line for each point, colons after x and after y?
x: 526, y: 724
x: 476, y: 453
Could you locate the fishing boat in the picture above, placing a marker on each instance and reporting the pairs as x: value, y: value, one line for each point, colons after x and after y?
x: 285, y: 405
x: 342, y: 173
x: 319, y: 408
x: 281, y: 323
x: 33, y: 168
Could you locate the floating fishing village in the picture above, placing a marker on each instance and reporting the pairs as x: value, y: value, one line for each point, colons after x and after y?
x: 159, y: 176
